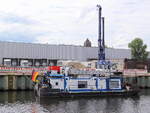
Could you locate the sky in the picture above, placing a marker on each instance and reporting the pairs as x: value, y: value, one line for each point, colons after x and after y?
x: 70, y: 22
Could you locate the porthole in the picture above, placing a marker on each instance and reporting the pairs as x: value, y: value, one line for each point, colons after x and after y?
x: 56, y: 83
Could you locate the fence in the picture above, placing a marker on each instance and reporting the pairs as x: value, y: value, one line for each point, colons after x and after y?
x: 135, y: 72
x: 22, y: 70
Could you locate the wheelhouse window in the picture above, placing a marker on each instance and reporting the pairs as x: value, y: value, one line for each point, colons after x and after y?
x: 82, y: 84
x: 114, y: 84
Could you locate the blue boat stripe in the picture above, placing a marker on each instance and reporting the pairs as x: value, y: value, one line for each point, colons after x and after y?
x: 56, y: 78
x: 84, y: 90
x: 80, y: 78
x: 55, y: 75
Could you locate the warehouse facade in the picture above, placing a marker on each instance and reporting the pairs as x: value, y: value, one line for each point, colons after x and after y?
x: 28, y: 54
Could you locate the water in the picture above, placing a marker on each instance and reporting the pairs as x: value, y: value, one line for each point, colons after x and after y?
x: 25, y: 102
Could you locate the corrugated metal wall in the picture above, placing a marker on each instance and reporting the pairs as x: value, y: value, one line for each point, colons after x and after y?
x: 62, y: 52
x: 118, y: 53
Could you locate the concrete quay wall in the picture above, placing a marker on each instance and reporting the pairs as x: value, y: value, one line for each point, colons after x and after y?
x: 24, y: 82
x: 139, y: 81
x: 15, y: 82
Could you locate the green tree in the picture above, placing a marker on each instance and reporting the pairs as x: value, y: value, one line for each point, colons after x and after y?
x: 138, y: 49
x: 108, y: 47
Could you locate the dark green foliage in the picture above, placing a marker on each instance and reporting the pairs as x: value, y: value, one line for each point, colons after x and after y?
x: 138, y: 49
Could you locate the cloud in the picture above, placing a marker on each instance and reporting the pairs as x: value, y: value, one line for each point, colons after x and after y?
x: 126, y: 20
x: 72, y: 21
x: 10, y: 18
x: 16, y: 37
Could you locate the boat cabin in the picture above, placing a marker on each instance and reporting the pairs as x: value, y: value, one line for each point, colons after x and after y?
x: 70, y: 83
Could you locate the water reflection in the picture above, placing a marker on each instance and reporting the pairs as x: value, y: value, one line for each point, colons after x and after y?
x: 25, y: 102
x: 13, y: 96
x: 91, y: 105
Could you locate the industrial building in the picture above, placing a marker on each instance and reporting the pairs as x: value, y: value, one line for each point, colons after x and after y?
x: 29, y: 54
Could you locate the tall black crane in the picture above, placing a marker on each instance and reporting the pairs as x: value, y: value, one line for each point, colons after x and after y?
x: 101, y: 38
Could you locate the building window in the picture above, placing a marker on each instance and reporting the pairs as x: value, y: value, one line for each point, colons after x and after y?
x: 7, y: 62
x: 82, y: 84
x: 37, y: 63
x: 24, y: 63
x: 44, y: 64
x: 14, y: 62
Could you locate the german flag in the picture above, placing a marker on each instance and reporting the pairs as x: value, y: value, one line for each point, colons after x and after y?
x: 34, y: 75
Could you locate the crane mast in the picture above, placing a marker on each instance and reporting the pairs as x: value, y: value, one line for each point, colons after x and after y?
x: 101, y: 38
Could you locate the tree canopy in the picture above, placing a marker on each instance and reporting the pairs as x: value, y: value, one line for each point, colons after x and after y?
x: 138, y: 49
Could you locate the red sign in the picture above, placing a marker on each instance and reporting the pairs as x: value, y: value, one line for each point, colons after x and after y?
x: 56, y: 68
